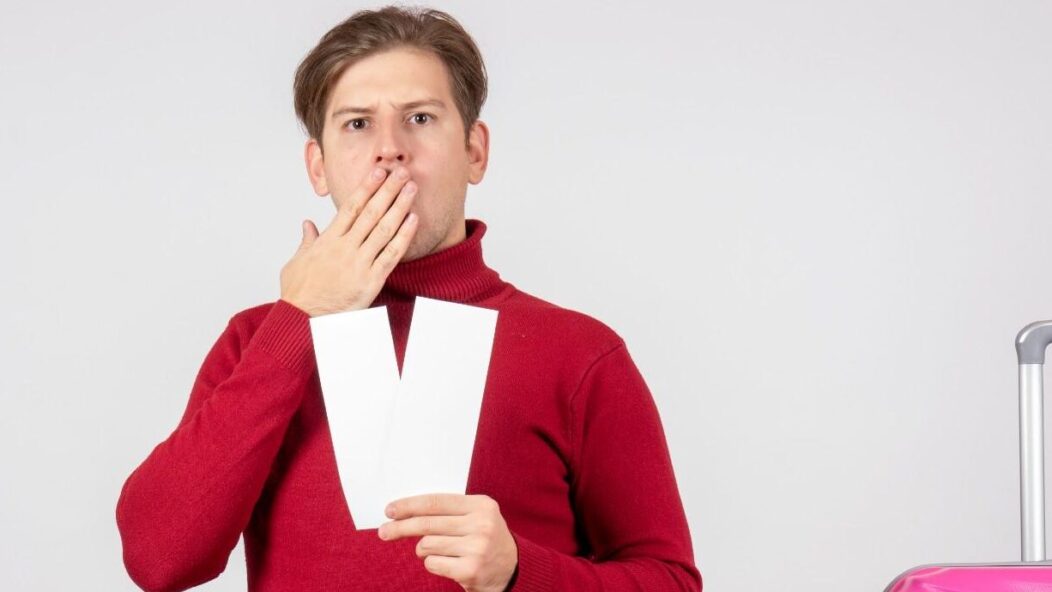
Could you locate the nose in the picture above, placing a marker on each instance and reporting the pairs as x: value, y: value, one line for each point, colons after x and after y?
x: 391, y: 150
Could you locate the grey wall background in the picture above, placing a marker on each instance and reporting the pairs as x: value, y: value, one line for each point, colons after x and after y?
x: 818, y: 225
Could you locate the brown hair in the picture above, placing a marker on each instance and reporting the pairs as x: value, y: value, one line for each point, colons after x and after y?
x: 367, y: 32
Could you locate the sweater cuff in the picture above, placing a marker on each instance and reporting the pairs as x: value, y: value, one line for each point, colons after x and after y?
x: 536, y: 568
x: 285, y: 335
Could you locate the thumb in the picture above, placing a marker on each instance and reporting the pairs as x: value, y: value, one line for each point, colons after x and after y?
x: 310, y: 233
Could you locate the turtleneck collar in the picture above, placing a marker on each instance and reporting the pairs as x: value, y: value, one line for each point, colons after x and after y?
x: 456, y: 274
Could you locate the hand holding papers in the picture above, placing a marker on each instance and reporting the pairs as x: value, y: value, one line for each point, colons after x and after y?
x: 397, y: 437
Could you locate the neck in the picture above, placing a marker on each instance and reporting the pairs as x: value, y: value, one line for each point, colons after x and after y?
x: 455, y: 273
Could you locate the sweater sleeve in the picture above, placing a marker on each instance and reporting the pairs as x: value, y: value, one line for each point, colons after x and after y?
x: 182, y: 510
x: 624, y: 492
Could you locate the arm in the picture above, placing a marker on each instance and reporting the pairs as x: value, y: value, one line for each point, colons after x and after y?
x: 624, y: 492
x: 181, y: 512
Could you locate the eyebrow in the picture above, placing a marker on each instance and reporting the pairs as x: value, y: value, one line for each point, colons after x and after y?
x: 403, y: 106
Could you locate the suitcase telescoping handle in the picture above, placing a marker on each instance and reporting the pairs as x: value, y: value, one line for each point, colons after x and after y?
x: 1030, y: 347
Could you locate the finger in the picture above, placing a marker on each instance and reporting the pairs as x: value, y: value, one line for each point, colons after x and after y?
x: 425, y: 525
x: 445, y: 504
x: 449, y: 546
x: 375, y: 205
x: 349, y: 210
x: 392, y: 252
x: 385, y: 229
x: 310, y: 233
x: 454, y: 568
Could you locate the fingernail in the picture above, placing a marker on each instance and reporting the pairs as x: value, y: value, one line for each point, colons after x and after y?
x: 381, y: 533
x: 378, y: 173
x: 403, y: 173
x: 389, y: 511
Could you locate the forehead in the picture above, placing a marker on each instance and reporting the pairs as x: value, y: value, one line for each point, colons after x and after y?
x: 398, y: 75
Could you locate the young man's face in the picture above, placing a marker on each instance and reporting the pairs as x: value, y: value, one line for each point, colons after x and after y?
x: 426, y: 139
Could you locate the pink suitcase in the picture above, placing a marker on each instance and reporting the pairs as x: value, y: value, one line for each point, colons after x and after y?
x: 1034, y: 573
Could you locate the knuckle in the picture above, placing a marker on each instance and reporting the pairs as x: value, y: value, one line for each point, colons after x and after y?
x: 369, y: 214
x: 385, y: 257
x: 384, y: 228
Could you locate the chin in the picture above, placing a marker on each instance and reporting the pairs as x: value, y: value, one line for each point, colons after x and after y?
x: 416, y: 248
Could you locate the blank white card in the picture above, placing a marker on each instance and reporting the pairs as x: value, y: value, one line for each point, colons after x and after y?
x: 397, y: 437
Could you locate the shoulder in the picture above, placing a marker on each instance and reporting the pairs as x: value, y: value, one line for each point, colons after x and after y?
x: 572, y: 333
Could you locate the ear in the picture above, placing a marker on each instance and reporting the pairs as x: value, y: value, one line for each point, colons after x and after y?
x: 315, y: 161
x: 478, y: 151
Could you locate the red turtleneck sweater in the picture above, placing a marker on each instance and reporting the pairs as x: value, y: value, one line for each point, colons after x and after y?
x: 569, y: 443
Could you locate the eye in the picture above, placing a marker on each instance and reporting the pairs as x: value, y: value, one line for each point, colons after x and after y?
x: 352, y: 123
x: 416, y: 117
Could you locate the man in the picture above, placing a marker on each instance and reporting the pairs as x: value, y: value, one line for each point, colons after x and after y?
x: 571, y: 486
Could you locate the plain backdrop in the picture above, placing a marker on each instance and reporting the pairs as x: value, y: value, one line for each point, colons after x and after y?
x: 818, y: 226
